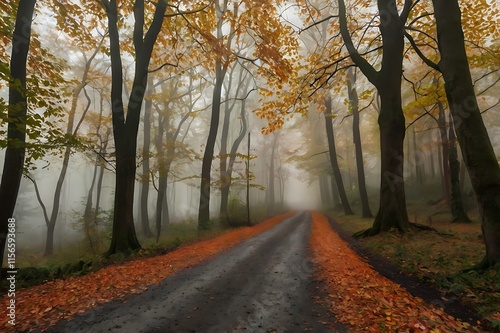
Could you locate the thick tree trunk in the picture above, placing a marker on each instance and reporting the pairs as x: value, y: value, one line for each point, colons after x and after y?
x: 333, y: 158
x: 475, y: 144
x: 354, y: 101
x: 16, y: 132
x: 125, y: 128
x: 124, y: 237
x: 392, y: 210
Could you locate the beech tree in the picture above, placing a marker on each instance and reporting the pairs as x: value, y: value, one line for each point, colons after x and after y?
x: 126, y: 126
x: 392, y: 211
x: 333, y: 157
x: 475, y: 144
x: 17, y: 110
x: 354, y: 105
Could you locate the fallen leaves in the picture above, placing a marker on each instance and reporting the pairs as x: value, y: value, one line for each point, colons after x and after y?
x: 42, y: 306
x: 365, y: 300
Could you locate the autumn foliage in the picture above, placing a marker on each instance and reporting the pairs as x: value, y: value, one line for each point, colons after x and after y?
x: 44, y: 305
x: 365, y: 300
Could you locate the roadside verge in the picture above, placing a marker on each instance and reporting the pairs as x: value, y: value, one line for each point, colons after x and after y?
x: 365, y: 300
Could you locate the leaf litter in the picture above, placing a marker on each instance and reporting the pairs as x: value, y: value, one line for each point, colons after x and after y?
x: 44, y: 305
x: 366, y: 301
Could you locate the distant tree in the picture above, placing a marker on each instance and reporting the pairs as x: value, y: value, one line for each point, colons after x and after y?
x: 71, y: 131
x: 221, y: 66
x: 146, y: 230
x: 17, y: 110
x: 354, y: 105
x: 333, y: 157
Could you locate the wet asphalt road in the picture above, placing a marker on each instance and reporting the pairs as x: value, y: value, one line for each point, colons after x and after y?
x: 261, y: 285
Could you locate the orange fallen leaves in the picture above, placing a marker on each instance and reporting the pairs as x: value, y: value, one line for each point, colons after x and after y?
x: 365, y: 300
x: 44, y: 305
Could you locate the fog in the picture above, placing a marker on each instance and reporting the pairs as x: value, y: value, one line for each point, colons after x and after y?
x: 280, y: 99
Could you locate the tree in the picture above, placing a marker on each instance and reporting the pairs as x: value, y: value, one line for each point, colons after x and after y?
x: 333, y: 157
x: 456, y: 204
x: 17, y: 110
x: 392, y: 211
x: 125, y: 127
x: 226, y: 167
x: 475, y: 144
x: 221, y: 67
x: 71, y: 131
x: 354, y: 104
x: 146, y: 230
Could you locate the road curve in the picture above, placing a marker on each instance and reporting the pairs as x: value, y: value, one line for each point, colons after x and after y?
x: 261, y: 285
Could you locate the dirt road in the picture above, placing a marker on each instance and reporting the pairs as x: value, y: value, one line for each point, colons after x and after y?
x: 260, y: 285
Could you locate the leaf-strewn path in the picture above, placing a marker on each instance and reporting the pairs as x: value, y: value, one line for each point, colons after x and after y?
x: 263, y: 283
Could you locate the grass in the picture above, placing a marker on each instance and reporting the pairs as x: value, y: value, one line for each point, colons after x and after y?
x: 438, y: 257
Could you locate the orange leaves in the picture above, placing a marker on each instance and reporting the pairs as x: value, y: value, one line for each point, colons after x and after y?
x: 364, y: 299
x: 44, y: 305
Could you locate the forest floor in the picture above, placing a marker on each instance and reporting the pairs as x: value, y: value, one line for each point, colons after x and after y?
x: 437, y: 260
x: 288, y: 274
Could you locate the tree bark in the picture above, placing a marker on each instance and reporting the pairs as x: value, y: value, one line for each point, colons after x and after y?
x: 333, y: 157
x: 18, y: 107
x: 457, y: 204
x: 354, y: 102
x: 475, y: 144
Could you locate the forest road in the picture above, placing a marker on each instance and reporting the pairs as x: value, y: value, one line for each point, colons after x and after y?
x: 263, y: 284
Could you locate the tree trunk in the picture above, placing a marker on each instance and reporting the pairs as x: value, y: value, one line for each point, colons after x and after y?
x: 475, y: 144
x: 354, y: 101
x: 125, y: 128
x: 271, y: 198
x: 444, y: 154
x: 87, y: 216
x: 232, y: 158
x: 206, y: 167
x: 225, y: 178
x: 333, y: 158
x: 221, y: 65
x: 417, y: 160
x: 392, y: 210
x: 18, y: 107
x: 457, y: 205
x: 146, y: 230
